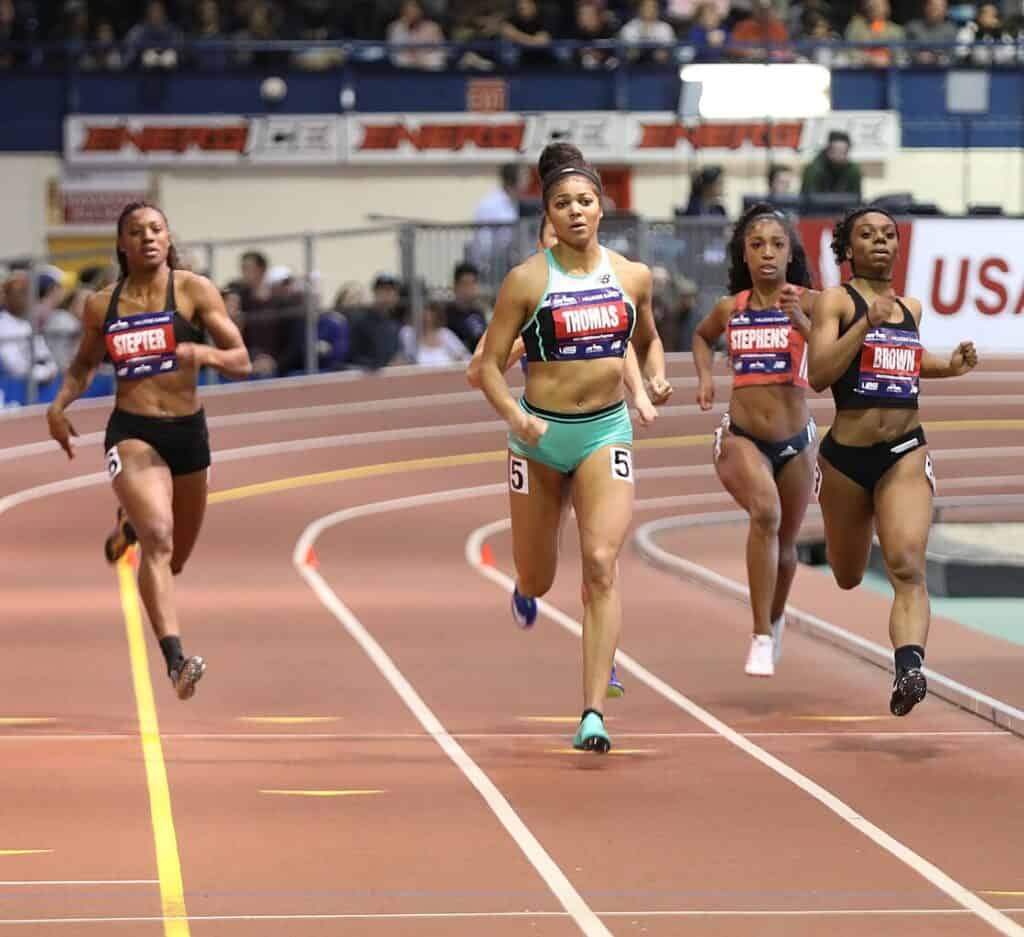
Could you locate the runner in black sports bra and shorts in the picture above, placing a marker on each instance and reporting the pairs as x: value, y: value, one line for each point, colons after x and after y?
x: 874, y: 465
x: 152, y: 323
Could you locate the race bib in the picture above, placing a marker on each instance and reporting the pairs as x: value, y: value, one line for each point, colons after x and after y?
x: 142, y: 345
x: 759, y: 342
x: 590, y: 324
x: 890, y: 364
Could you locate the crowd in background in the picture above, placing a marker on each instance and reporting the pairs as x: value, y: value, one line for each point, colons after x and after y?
x: 123, y: 35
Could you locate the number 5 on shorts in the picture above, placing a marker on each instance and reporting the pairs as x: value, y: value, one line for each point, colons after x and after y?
x: 622, y: 463
x: 518, y: 477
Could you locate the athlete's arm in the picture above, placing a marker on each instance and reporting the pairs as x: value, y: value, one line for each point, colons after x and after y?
x: 80, y: 372
x: 230, y: 356
x: 634, y: 380
x: 708, y: 331
x: 650, y: 352
x: 828, y: 354
x: 797, y: 304
x: 962, y: 360
x: 516, y: 298
x: 473, y: 368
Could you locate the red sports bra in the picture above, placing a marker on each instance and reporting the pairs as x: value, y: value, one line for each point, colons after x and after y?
x: 764, y: 346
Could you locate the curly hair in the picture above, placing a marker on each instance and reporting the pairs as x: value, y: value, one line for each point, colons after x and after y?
x: 797, y: 271
x: 561, y: 159
x: 126, y: 212
x: 843, y: 231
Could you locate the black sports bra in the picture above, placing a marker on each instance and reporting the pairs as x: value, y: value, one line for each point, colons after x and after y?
x: 144, y: 345
x: 887, y: 369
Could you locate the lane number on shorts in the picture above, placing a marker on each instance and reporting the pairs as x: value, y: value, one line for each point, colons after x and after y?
x: 929, y: 473
x: 818, y: 478
x: 114, y: 465
x: 622, y: 463
x: 518, y: 477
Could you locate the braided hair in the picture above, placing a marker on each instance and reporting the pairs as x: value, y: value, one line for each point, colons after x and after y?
x: 559, y: 160
x: 797, y: 271
x: 842, y: 233
x: 126, y: 212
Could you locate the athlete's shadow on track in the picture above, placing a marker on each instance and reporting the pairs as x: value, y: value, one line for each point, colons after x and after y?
x: 911, y: 751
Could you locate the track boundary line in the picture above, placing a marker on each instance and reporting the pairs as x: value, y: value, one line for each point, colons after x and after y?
x: 932, y: 873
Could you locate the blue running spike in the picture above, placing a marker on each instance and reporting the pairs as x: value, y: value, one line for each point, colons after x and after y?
x: 615, y: 687
x: 524, y: 609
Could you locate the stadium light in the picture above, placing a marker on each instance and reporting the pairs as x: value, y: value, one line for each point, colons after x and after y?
x: 755, y: 92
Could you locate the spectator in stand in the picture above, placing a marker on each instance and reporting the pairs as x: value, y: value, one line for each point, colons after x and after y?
x: 208, y: 28
x: 260, y: 27
x: 763, y: 26
x: 73, y: 29
x: 60, y: 327
x: 781, y: 181
x: 874, y: 25
x: 438, y: 345
x: 260, y: 327
x: 707, y: 35
x: 153, y: 38
x: 677, y: 317
x: 491, y: 248
x: 933, y: 26
x: 646, y: 27
x: 988, y: 40
x: 106, y: 54
x: 832, y: 171
x: 591, y: 24
x: 375, y: 334
x: 22, y: 353
x: 815, y: 25
x: 413, y: 26
x: 528, y: 29
x: 12, y: 29
x: 502, y: 204
x: 464, y: 315
x: 706, y: 187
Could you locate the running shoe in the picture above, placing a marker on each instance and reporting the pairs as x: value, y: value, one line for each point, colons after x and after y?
x: 761, y: 657
x: 524, y: 609
x: 615, y: 687
x: 122, y: 538
x: 778, y: 631
x: 908, y: 689
x: 187, y: 675
x: 591, y: 736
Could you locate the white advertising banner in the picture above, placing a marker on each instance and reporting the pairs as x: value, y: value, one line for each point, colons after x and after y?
x: 226, y: 141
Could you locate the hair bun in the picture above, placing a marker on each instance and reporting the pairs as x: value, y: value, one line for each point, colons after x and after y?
x: 557, y: 155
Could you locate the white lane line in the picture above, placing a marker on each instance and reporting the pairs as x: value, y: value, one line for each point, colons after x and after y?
x: 560, y: 886
x: 98, y: 881
x: 488, y: 915
x: 998, y: 712
x: 952, y: 888
x: 421, y: 736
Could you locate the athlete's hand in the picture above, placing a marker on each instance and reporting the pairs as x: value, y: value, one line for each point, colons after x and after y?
x: 963, y: 359
x: 191, y: 355
x: 528, y: 428
x: 789, y: 300
x: 659, y: 389
x: 706, y: 393
x: 61, y: 429
x: 880, y: 311
x: 645, y: 409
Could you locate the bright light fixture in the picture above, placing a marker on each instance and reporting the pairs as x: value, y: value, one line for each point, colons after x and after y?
x: 756, y: 92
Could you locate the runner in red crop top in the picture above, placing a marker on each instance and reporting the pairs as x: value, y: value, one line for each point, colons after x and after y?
x: 764, y: 448
x: 875, y: 471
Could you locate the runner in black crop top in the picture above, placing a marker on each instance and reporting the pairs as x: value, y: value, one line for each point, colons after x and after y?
x: 874, y: 470
x: 157, y: 444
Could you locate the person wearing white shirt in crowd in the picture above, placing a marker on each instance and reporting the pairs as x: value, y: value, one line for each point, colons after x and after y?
x: 438, y: 345
x: 491, y: 246
x: 646, y: 27
x: 411, y: 26
x: 21, y: 352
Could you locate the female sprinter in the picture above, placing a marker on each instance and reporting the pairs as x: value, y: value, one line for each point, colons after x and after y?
x: 633, y: 380
x: 763, y: 451
x: 576, y: 307
x: 153, y: 323
x: 874, y: 464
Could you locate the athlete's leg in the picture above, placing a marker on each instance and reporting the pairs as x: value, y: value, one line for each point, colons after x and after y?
x: 145, y: 489
x: 189, y: 507
x: 537, y: 496
x: 903, y: 506
x: 848, y: 512
x: 795, y: 483
x: 746, y: 474
x: 603, y: 498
